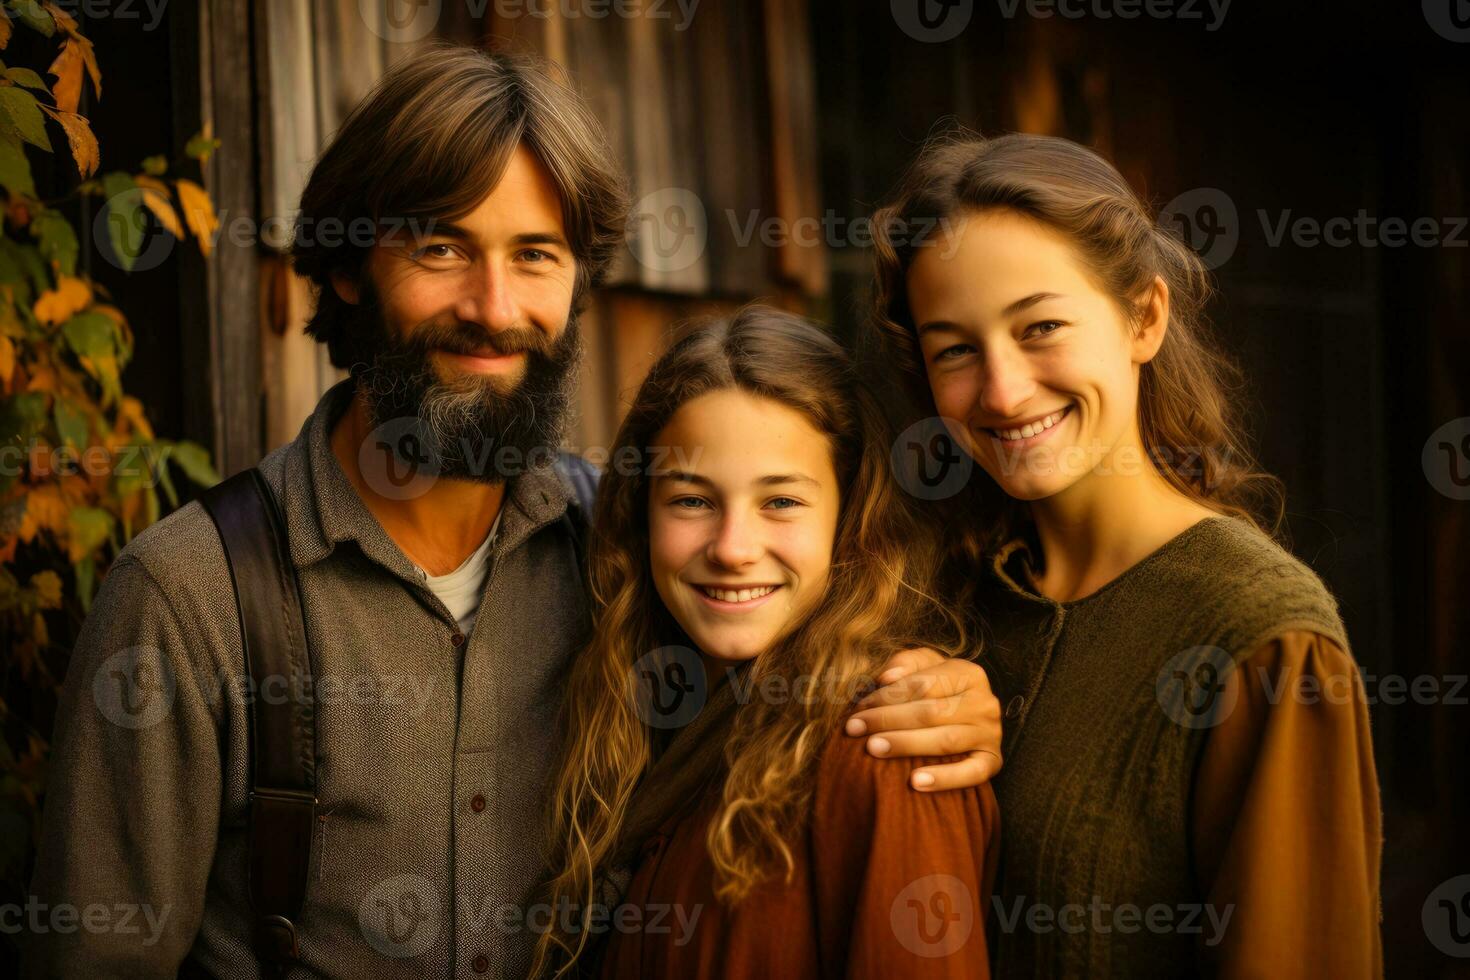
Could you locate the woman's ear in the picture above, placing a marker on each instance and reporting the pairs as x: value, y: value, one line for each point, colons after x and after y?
x: 345, y: 287
x: 1153, y: 323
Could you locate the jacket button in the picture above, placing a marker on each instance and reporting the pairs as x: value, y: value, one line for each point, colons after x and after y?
x: 1015, y: 705
x: 457, y: 639
x: 478, y: 803
x: 480, y: 964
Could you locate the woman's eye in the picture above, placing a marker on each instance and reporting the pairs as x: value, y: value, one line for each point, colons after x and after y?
x: 783, y: 503
x: 1044, y: 327
x: 687, y: 503
x: 950, y: 353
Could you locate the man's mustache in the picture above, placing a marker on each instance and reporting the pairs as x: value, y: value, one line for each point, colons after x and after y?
x: 468, y: 338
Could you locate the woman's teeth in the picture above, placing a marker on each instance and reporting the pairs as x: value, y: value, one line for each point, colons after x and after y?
x: 738, y: 595
x: 1031, y: 428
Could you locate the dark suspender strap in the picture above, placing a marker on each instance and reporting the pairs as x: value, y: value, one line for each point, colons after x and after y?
x: 282, y: 715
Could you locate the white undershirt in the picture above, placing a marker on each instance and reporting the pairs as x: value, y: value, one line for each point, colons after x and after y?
x: 461, y: 589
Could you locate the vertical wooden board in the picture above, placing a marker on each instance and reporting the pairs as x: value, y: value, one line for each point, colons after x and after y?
x: 792, y: 88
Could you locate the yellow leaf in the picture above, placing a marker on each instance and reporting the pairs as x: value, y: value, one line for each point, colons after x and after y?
x: 132, y: 410
x: 7, y: 360
x: 198, y: 212
x: 38, y: 630
x: 58, y: 305
x: 68, y: 71
x: 155, y: 195
x: 84, y: 149
x: 48, y: 589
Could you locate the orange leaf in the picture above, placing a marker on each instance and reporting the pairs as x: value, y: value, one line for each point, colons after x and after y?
x: 7, y: 361
x: 64, y: 19
x: 46, y: 510
x: 132, y: 410
x: 68, y: 71
x: 84, y: 147
x: 58, y: 305
x: 199, y: 213
x: 5, y: 29
x: 155, y: 196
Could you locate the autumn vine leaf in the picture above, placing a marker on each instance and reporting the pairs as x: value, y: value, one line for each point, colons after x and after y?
x: 198, y: 212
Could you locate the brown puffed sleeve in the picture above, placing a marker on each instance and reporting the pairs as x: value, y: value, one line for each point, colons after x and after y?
x: 902, y: 878
x: 1286, y: 820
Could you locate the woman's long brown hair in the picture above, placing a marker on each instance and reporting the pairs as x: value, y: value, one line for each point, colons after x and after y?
x: 1187, y: 415
x: 877, y: 599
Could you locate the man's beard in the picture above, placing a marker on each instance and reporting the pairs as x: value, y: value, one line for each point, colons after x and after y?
x: 467, y: 426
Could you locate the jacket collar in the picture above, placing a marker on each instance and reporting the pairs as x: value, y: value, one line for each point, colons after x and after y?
x: 322, y: 508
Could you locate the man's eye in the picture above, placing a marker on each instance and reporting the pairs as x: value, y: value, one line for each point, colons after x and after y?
x: 439, y: 251
x: 536, y: 256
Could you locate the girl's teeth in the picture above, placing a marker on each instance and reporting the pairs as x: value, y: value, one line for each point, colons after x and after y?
x: 1031, y: 428
x: 738, y: 595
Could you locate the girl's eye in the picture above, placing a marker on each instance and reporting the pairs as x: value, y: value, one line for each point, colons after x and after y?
x: 1044, y: 327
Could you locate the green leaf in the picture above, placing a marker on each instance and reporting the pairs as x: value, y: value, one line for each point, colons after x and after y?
x: 33, y: 15
x: 126, y: 223
x: 71, y: 424
x: 193, y: 459
x: 22, y: 418
x: 91, y: 334
x: 58, y: 242
x: 26, y: 77
x: 200, y: 147
x: 15, y: 169
x: 28, y: 260
x: 89, y: 527
x: 155, y: 166
x: 23, y: 117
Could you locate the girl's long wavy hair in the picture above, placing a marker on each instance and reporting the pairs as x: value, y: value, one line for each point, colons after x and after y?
x: 878, y: 599
x: 1187, y: 416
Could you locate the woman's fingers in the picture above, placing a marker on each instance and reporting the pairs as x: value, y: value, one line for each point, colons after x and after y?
x: 976, y: 770
x: 907, y: 662
x: 943, y: 740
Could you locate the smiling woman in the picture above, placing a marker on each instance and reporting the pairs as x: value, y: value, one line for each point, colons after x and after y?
x: 1150, y: 640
